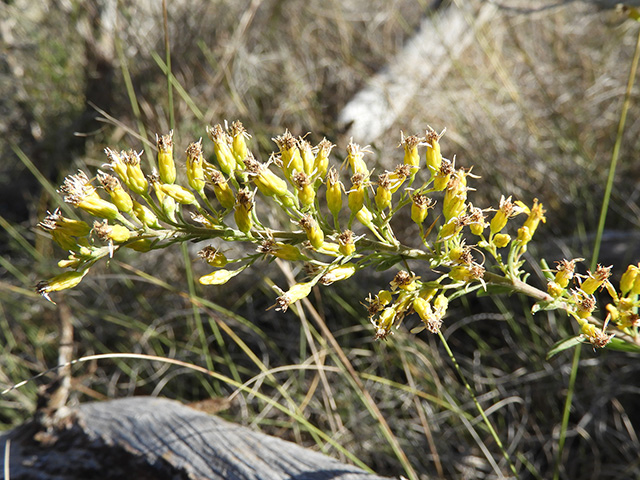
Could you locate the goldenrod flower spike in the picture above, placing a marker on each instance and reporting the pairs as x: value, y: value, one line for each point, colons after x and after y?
x: 195, y: 166
x: 119, y: 196
x: 242, y: 212
x: 166, y: 165
x: 222, y: 149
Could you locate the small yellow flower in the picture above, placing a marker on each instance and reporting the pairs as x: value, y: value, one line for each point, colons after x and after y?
x: 384, y: 323
x: 564, y: 271
x: 117, y: 164
x: 628, y: 279
x: 221, y: 189
x: 442, y: 176
x: 554, y: 289
x: 284, y: 251
x: 239, y: 138
x: 356, y: 195
x: 56, y: 222
x: 242, y: 210
x: 334, y: 192
x: 434, y: 157
x: 355, y: 158
x: 338, y: 273
x: 404, y: 281
x: 179, y: 194
x: 136, y: 179
x: 315, y: 235
x: 501, y: 240
x: 305, y: 191
x: 420, y: 207
x: 411, y: 155
x: 222, y: 148
x: 195, y: 166
x: 476, y: 218
x: 321, y: 162
x: 213, y: 256
x: 166, y: 165
x: 295, y: 293
x: 218, y: 277
x: 346, y: 242
x: 111, y: 233
x: 268, y: 183
x: 145, y: 215
x: 383, y: 192
x: 60, y: 282
x: 467, y: 273
x: 365, y: 217
x: 535, y: 216
x: 506, y: 210
x: 119, y: 196
x: 289, y: 154
x: 307, y: 155
x: 398, y: 176
x: 595, y: 280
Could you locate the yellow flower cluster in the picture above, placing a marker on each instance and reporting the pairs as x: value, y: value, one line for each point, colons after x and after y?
x: 213, y: 194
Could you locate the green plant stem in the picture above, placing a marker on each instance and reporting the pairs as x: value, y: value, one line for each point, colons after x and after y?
x: 494, y: 434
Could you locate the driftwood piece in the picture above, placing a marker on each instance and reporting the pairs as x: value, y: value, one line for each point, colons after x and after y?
x: 153, y: 438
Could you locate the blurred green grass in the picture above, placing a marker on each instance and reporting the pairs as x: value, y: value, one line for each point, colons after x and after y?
x: 546, y: 132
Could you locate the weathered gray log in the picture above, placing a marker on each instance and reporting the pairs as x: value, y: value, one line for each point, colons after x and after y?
x: 145, y: 438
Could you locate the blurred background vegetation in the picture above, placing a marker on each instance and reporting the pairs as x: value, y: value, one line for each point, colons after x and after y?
x: 532, y: 102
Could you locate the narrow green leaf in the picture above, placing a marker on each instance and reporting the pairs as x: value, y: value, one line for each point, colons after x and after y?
x: 622, y: 346
x: 563, y: 345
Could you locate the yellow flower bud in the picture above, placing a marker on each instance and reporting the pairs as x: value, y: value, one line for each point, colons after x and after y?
x: 218, y: 277
x: 466, y: 273
x: 442, y: 176
x: 628, y: 279
x: 295, y: 293
x: 501, y: 240
x: 455, y: 197
x: 315, y: 235
x: 145, y: 215
x: 195, y: 166
x: 595, y: 280
x: 268, y: 183
x: 398, y: 176
x: 384, y: 323
x: 355, y: 158
x: 239, y: 144
x: 111, y: 233
x: 338, y: 273
x: 136, y: 179
x: 242, y: 210
x: 222, y: 149
x: 222, y: 190
x: 411, y: 155
x: 142, y: 245
x: 434, y: 157
x: 505, y: 211
x: 289, y: 154
x: 60, y: 282
x: 308, y: 158
x: 305, y: 191
x: 213, y: 256
x: 179, y: 194
x: 55, y: 222
x: 117, y: 164
x: 166, y: 165
x: 356, y: 195
x: 365, y: 217
x: 334, y: 192
x: 321, y: 162
x: 554, y: 289
x: 347, y: 246
x: 120, y: 198
x: 98, y: 207
x: 564, y: 272
x: 383, y: 192
x: 420, y: 207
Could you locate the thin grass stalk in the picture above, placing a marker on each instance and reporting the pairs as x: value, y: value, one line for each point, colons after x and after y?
x: 494, y: 434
